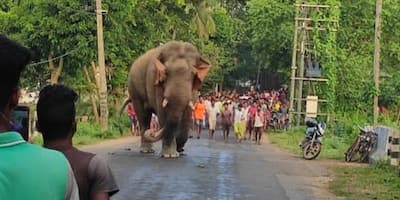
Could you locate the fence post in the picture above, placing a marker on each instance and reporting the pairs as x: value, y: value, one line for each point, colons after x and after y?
x: 395, y: 148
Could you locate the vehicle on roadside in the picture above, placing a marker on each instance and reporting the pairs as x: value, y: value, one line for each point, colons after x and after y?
x: 311, y: 145
x: 274, y: 121
x: 363, y: 146
x: 278, y: 121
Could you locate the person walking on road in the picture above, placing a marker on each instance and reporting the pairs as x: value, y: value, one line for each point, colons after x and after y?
x: 258, y: 125
x: 226, y: 120
x: 212, y: 113
x: 199, y: 113
x: 27, y: 171
x: 134, y: 121
x: 239, y: 123
x: 56, y: 122
x: 251, y: 117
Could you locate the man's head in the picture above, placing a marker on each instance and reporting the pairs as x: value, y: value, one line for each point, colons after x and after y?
x: 212, y: 102
x: 56, y: 112
x: 13, y: 60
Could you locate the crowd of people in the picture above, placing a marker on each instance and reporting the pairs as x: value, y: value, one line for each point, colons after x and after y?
x: 57, y: 170
x: 249, y: 114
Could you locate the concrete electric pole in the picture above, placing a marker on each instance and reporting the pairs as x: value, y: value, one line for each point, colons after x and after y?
x: 376, y: 56
x: 102, y: 69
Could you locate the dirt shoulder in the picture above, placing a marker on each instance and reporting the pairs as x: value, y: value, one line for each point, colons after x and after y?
x: 106, y: 146
x: 321, y: 177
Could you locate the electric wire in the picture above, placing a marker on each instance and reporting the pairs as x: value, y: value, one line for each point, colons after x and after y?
x: 58, y: 57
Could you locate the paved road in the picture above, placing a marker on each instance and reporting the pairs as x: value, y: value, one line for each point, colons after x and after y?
x: 214, y: 170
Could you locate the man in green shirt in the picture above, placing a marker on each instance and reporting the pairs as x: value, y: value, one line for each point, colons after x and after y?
x: 26, y: 171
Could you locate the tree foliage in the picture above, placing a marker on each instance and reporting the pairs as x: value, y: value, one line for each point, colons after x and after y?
x: 241, y: 38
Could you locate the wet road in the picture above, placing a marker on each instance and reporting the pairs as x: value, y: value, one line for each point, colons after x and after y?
x: 214, y: 170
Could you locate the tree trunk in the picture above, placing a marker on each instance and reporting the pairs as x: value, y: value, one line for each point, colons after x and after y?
x: 174, y: 34
x: 117, y: 94
x: 93, y: 95
x: 55, y: 72
x: 96, y: 75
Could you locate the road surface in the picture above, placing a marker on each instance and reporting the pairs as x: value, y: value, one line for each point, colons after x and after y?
x: 214, y: 170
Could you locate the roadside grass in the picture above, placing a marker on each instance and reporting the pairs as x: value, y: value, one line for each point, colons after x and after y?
x: 90, y: 132
x: 333, y: 147
x: 379, y: 181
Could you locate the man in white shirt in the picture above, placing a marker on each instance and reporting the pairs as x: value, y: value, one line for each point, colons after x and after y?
x: 212, y: 112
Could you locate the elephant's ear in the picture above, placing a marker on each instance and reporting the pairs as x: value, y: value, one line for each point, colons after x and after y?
x: 160, y: 72
x: 201, y: 70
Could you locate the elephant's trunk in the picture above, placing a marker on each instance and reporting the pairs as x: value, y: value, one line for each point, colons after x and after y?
x: 153, y: 135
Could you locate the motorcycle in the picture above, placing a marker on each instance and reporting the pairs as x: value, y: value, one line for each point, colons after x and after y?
x: 311, y: 145
x: 362, y: 147
x: 274, y: 121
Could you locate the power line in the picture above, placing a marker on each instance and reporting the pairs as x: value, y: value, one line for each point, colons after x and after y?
x: 58, y: 57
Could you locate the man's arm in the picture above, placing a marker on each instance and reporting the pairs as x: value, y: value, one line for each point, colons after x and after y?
x: 71, y: 192
x: 102, y: 179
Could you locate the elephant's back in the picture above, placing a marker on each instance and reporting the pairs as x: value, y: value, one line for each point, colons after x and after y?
x: 142, y: 63
x: 140, y: 71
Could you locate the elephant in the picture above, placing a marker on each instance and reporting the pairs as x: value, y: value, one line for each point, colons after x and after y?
x: 166, y: 81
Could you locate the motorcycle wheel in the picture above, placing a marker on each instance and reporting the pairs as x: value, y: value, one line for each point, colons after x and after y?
x: 311, y: 150
x: 352, y: 151
x: 365, y: 151
x: 276, y: 124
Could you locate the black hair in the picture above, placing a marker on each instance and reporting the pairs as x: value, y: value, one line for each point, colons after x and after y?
x: 56, y: 111
x: 13, y: 60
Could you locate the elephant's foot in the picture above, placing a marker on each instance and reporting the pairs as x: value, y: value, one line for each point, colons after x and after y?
x: 170, y: 154
x: 169, y: 151
x: 147, y: 148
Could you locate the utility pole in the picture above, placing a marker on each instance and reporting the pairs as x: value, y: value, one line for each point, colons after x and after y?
x: 258, y: 75
x: 376, y: 57
x: 102, y: 68
x: 301, y: 72
x: 294, y: 69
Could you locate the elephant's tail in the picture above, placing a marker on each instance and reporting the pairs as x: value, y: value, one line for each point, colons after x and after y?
x: 128, y: 100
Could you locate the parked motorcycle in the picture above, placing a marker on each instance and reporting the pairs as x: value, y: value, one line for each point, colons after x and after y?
x: 278, y: 121
x: 274, y: 121
x: 362, y: 147
x: 311, y: 145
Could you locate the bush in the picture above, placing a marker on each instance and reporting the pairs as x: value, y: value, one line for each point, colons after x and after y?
x: 88, y: 129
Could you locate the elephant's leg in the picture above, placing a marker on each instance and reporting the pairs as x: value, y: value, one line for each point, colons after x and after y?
x: 169, y: 138
x: 144, y: 117
x: 183, y: 131
x: 169, y: 150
